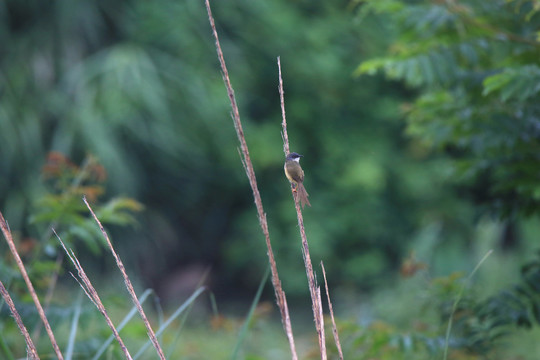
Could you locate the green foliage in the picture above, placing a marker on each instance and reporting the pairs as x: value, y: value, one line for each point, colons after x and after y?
x: 138, y: 86
x: 518, y: 84
x: 60, y: 208
x: 63, y: 209
x: 380, y: 341
x: 474, y: 64
x: 481, y: 325
x: 384, y: 341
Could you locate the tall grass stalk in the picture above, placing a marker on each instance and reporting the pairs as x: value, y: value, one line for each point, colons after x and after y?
x: 176, y: 314
x: 314, y: 289
x: 458, y: 298
x: 33, y: 353
x: 129, y: 285
x: 245, y: 326
x: 74, y: 326
x: 122, y: 324
x: 250, y: 172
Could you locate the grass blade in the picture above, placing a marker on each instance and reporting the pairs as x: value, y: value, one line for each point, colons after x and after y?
x: 243, y: 330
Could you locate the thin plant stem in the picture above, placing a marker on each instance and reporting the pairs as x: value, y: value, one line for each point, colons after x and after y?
x: 458, y: 298
x: 30, y: 348
x: 334, y: 327
x: 173, y: 317
x: 250, y: 172
x: 129, y: 286
x: 120, y: 326
x: 33, y: 294
x: 314, y: 290
x: 243, y: 331
x: 92, y: 294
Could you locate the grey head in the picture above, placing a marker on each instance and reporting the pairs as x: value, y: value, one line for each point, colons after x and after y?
x: 294, y: 156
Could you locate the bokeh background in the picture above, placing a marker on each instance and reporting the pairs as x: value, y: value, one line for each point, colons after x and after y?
x: 409, y: 168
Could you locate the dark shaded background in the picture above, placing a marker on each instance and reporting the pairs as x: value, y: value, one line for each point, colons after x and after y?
x: 137, y: 84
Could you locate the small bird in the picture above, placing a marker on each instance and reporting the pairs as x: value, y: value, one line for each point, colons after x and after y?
x: 295, y: 174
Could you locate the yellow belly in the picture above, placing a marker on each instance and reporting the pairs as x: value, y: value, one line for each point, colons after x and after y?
x: 294, y: 172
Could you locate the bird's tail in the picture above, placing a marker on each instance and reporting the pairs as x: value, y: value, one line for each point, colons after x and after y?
x: 303, y: 195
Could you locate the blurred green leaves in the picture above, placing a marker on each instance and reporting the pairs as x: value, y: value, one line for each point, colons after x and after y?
x: 475, y: 67
x: 514, y: 83
x: 138, y: 86
x: 62, y: 207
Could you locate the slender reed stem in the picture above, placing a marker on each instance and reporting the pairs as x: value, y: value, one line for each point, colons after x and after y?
x: 30, y: 348
x: 129, y: 286
x: 250, y: 172
x: 312, y: 282
x: 9, y: 239
x: 334, y: 327
x: 92, y: 294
